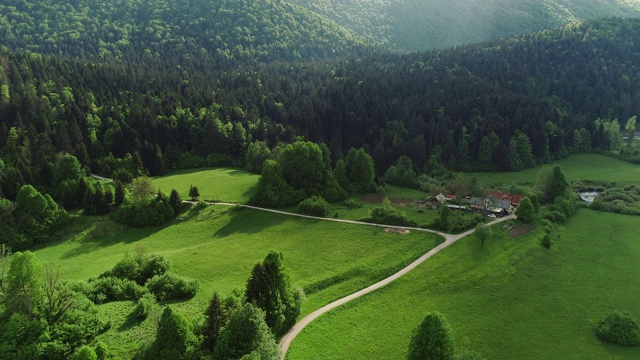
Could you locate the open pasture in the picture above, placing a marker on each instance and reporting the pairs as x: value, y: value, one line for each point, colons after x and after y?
x: 508, y: 299
x: 219, y: 246
x: 220, y: 184
x: 576, y: 167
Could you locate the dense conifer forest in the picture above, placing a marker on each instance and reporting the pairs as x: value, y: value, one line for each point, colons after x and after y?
x: 417, y: 25
x: 503, y: 105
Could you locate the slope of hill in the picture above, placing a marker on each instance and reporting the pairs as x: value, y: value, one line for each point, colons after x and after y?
x: 261, y: 29
x: 505, y: 105
x: 414, y: 25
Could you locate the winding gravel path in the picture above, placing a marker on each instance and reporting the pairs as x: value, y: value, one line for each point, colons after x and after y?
x: 286, y: 340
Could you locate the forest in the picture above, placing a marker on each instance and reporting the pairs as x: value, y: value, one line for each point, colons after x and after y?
x: 502, y: 105
x: 417, y: 25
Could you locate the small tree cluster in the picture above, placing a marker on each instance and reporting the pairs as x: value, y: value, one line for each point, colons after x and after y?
x: 619, y: 328
x: 32, y: 218
x: 146, y: 211
x: 314, y: 206
x: 387, y: 214
x: 402, y: 174
x: 356, y: 172
x: 270, y: 289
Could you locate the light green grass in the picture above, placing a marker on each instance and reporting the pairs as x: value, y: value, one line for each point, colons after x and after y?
x: 221, y: 184
x: 511, y: 299
x: 577, y: 167
x: 219, y: 246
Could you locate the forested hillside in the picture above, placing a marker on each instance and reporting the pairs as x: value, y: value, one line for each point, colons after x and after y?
x: 414, y: 25
x: 237, y: 30
x: 504, y: 105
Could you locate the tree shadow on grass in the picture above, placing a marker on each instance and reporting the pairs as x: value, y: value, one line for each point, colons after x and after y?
x: 108, y: 233
x: 131, y: 321
x: 249, y: 221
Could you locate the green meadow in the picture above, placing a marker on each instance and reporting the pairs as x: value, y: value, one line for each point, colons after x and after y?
x: 219, y: 246
x: 220, y: 184
x: 508, y: 299
x: 576, y: 167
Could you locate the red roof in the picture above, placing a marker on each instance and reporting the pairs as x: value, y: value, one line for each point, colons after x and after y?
x: 450, y: 196
x: 515, y: 199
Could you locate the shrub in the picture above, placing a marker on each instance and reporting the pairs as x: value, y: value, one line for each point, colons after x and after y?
x: 353, y: 203
x: 388, y: 215
x: 546, y: 241
x: 113, y: 289
x: 144, y: 306
x: 170, y: 286
x: 619, y: 328
x: 315, y: 206
x: 102, y: 351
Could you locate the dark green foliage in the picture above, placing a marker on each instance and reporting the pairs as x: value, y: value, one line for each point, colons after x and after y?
x: 270, y: 289
x: 170, y: 286
x: 483, y: 232
x: 443, y: 222
x: 139, y: 268
x: 216, y: 317
x: 432, y: 339
x: 552, y: 183
x: 122, y: 175
x: 358, y: 174
x: 175, y: 338
x: 389, y: 215
x: 102, y: 351
x: 85, y: 353
x: 175, y: 201
x: 314, y: 206
x: 245, y: 333
x: 353, y: 203
x: 619, y: 328
x: 120, y: 194
x: 38, y: 217
x: 42, y: 315
x: 402, y: 24
x: 144, y: 306
x: 306, y: 167
x: 24, y: 293
x: 194, y: 194
x: 402, y: 174
x: 526, y: 212
x: 105, y: 289
x: 272, y: 190
x: 257, y: 153
x: 145, y: 212
x: 546, y: 241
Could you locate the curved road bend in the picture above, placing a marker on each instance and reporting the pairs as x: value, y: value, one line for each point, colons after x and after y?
x: 286, y: 340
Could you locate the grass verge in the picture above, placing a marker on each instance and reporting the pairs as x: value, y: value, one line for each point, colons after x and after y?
x: 510, y: 299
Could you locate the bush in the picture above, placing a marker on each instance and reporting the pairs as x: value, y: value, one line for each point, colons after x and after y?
x: 113, y: 289
x: 619, y: 328
x: 314, y: 206
x: 353, y: 203
x: 170, y: 286
x: 146, y: 212
x: 388, y: 215
x: 144, y: 306
x: 546, y: 241
x: 139, y: 268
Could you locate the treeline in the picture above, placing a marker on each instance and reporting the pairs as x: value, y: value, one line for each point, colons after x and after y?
x: 415, y: 25
x: 504, y: 105
x: 228, y: 31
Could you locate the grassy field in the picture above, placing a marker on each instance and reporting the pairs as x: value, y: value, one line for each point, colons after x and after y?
x: 219, y: 246
x: 576, y: 167
x: 508, y: 299
x: 221, y: 184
